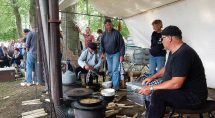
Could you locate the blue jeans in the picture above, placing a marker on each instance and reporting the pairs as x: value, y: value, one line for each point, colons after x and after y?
x: 156, y: 63
x: 30, y: 64
x: 113, y: 65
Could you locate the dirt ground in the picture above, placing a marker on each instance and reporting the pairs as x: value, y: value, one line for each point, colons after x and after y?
x: 12, y: 95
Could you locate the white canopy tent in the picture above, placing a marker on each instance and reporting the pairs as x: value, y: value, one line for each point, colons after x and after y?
x: 66, y: 3
x: 194, y: 18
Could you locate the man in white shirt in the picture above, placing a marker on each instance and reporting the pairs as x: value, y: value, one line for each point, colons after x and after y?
x: 89, y: 60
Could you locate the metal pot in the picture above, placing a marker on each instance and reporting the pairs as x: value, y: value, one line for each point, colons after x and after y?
x: 108, y: 99
x: 82, y: 111
x: 68, y: 78
x: 108, y: 95
x: 108, y: 92
x: 107, y: 84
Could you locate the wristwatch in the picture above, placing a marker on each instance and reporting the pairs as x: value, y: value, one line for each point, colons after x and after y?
x: 151, y: 88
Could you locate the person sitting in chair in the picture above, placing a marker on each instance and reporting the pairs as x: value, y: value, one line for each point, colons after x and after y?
x: 185, y: 83
x: 16, y: 59
x: 89, y: 60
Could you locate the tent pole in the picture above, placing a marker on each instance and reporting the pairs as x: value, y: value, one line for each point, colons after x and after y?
x: 55, y: 59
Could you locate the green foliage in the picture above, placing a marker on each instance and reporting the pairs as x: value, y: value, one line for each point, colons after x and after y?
x: 124, y: 28
x: 95, y: 22
x: 8, y: 28
x: 7, y: 36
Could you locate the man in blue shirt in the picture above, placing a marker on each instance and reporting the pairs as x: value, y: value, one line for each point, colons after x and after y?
x: 31, y: 56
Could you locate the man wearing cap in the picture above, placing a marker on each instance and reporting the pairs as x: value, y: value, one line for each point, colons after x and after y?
x: 113, y: 45
x: 89, y: 60
x: 185, y: 82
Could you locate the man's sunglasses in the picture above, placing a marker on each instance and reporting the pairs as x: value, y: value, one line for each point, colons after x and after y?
x: 161, y: 39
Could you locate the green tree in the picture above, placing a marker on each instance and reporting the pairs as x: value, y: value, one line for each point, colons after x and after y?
x: 12, y: 12
x: 17, y: 15
x: 95, y: 22
x: 32, y: 12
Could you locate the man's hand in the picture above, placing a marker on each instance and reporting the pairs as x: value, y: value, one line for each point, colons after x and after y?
x: 87, y: 67
x: 77, y: 28
x: 147, y: 80
x: 121, y: 58
x: 145, y: 91
x: 9, y: 57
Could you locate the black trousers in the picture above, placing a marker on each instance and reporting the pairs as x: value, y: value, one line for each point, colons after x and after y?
x: 4, y: 63
x: 83, y: 71
x: 79, y: 69
x: 173, y: 98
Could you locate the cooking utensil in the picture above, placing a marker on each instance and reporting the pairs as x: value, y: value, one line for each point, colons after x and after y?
x: 107, y: 84
x: 108, y: 92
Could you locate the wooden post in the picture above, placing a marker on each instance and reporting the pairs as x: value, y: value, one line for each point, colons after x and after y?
x: 43, y: 55
x: 38, y: 36
x: 55, y: 59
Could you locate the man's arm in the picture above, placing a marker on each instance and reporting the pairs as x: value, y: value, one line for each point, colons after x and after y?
x: 28, y: 41
x: 102, y: 49
x: 93, y: 38
x: 79, y: 30
x: 121, y: 45
x: 99, y: 64
x: 159, y: 74
x: 172, y: 84
x: 82, y: 58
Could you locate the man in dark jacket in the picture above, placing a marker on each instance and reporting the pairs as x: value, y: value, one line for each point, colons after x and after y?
x: 113, y: 45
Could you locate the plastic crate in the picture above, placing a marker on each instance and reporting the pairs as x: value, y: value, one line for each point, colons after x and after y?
x: 134, y: 96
